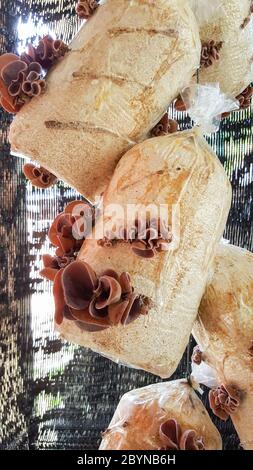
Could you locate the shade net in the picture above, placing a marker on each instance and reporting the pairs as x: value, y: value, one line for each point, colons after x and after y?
x: 55, y: 395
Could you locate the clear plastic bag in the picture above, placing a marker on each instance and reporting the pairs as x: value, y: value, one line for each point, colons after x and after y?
x: 109, y: 90
x: 179, y: 180
x: 204, y: 374
x: 205, y: 104
x: 146, y: 419
x: 224, y: 332
x: 227, y: 36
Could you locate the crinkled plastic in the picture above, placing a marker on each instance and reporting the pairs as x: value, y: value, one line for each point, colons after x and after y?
x: 205, y: 104
x: 178, y: 179
x: 204, y: 10
x: 136, y: 424
x: 225, y: 241
x: 205, y: 374
x: 126, y: 65
x: 224, y: 331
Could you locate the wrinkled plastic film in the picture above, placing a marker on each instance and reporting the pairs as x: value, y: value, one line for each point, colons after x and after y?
x: 205, y: 104
x: 205, y: 375
x: 141, y: 413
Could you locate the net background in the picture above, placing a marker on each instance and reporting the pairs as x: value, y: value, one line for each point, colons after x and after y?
x: 55, y: 395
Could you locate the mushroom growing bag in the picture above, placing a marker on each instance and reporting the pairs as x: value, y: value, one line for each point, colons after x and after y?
x: 125, y: 66
x: 163, y: 416
x: 227, y: 38
x: 134, y: 291
x: 224, y: 332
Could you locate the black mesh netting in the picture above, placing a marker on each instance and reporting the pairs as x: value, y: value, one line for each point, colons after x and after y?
x: 55, y: 395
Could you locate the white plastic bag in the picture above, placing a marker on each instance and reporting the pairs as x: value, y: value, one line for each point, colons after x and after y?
x: 204, y: 374
x: 205, y: 105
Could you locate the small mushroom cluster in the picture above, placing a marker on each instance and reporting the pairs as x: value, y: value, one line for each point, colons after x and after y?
x: 67, y: 234
x: 224, y: 401
x: 165, y: 126
x: 40, y: 177
x: 210, y: 53
x: 86, y: 8
x: 19, y: 82
x: 173, y: 438
x: 23, y: 77
x: 96, y: 302
x: 146, y: 239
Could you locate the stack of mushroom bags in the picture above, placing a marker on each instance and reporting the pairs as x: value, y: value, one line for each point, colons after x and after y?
x: 132, y: 298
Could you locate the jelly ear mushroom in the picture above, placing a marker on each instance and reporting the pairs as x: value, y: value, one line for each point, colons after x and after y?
x: 39, y: 176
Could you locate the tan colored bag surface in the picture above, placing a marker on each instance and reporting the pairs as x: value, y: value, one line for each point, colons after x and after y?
x: 126, y: 65
x: 224, y: 331
x: 181, y: 172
